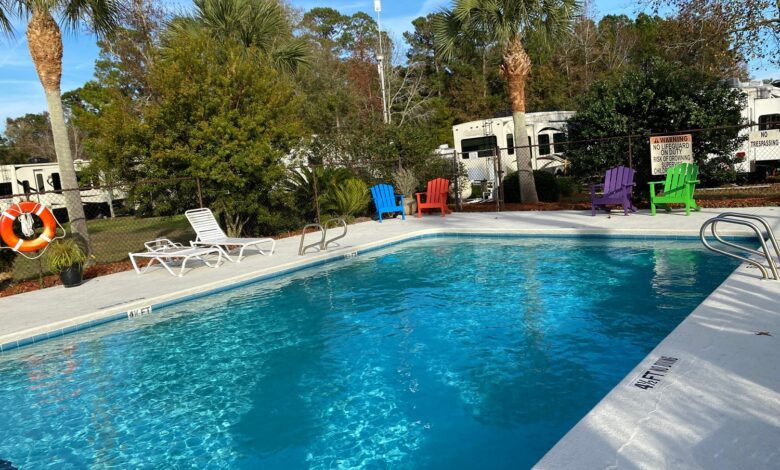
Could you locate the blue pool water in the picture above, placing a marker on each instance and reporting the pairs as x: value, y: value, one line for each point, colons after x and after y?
x: 439, y: 353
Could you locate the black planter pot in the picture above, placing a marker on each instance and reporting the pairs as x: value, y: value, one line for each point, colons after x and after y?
x: 71, y: 276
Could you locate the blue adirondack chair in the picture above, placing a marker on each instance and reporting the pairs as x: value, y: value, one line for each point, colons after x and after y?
x: 386, y: 200
x: 616, y: 189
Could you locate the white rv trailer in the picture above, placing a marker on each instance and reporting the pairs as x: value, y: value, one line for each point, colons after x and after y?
x: 476, y: 143
x: 34, y: 181
x: 763, y: 110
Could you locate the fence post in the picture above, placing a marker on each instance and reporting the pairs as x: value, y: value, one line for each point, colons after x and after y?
x: 456, y: 172
x: 497, y: 177
x: 200, y: 194
x: 316, y: 195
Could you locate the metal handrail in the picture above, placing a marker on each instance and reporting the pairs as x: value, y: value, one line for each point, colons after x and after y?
x: 302, y: 249
x: 322, y: 244
x: 729, y: 217
x: 341, y: 222
x: 770, y: 234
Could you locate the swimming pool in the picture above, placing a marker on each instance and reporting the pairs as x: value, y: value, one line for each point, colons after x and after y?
x: 436, y: 353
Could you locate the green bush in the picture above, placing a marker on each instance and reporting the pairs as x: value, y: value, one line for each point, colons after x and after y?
x: 348, y: 200
x: 546, y: 187
x: 6, y: 260
x: 511, y: 187
x: 717, y: 172
x: 567, y: 186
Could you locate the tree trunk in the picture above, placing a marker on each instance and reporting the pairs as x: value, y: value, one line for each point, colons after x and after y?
x: 515, y: 67
x: 44, y: 39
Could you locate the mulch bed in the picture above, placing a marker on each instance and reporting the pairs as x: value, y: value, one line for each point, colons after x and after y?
x: 54, y: 279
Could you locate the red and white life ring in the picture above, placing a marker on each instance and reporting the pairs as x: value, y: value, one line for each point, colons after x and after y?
x: 19, y: 244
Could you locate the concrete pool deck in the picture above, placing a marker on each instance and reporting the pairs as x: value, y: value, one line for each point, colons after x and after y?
x: 708, y: 396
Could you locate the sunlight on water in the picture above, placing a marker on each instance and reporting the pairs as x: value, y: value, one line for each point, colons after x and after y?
x: 439, y: 353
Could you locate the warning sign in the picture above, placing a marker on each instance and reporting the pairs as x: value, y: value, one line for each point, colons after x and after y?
x: 669, y: 150
x: 765, y: 144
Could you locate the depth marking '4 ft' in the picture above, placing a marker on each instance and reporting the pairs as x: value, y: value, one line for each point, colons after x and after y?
x: 652, y: 376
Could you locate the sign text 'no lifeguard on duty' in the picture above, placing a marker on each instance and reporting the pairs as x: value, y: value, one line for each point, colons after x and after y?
x: 669, y: 150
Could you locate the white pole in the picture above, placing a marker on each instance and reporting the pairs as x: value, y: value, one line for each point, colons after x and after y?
x: 381, y: 60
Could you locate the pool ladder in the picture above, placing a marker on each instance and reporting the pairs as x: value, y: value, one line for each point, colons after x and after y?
x: 322, y: 243
x: 759, y: 227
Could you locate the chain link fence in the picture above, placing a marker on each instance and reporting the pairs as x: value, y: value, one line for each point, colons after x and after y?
x: 122, y: 216
x: 726, y: 154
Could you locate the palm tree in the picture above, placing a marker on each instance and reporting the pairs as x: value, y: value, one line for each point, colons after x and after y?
x: 508, y: 24
x: 44, y: 40
x: 260, y: 26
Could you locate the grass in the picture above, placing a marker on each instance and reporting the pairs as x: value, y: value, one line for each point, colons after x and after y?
x: 113, y: 239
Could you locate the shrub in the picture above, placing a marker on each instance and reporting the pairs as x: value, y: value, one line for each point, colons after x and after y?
x: 567, y: 186
x: 717, y: 172
x: 546, y: 187
x: 300, y: 185
x: 6, y: 261
x: 405, y: 182
x: 511, y: 186
x: 348, y: 200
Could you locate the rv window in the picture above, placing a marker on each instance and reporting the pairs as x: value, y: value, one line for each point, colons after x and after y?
x: 485, y: 146
x: 510, y: 144
x: 558, y: 139
x: 769, y: 121
x: 6, y: 189
x: 56, y: 184
x: 544, y: 144
x: 39, y: 181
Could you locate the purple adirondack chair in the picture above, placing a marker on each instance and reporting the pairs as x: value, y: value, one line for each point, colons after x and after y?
x: 617, y: 188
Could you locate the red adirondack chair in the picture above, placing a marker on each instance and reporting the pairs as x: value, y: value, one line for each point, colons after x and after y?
x: 435, y: 197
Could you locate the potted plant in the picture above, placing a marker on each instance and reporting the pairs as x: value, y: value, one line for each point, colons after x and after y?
x: 66, y: 258
x: 406, y: 183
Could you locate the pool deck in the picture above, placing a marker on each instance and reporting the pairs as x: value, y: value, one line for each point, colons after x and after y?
x: 708, y: 394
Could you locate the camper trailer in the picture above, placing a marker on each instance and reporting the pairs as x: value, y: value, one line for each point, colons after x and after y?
x: 761, y: 150
x: 40, y: 182
x: 486, y: 148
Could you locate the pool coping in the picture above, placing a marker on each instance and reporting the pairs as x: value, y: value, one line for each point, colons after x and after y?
x: 131, y: 309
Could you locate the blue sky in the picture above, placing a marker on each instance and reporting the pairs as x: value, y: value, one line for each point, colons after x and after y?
x: 20, y: 90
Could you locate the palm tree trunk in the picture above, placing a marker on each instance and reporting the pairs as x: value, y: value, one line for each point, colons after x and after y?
x: 515, y: 67
x: 44, y: 39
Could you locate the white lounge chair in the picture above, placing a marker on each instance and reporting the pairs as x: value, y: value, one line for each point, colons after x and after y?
x: 209, y: 233
x: 165, y: 251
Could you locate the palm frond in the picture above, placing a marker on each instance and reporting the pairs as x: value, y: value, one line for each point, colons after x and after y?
x: 5, y: 22
x: 501, y: 21
x: 102, y: 16
x: 258, y: 25
x: 447, y: 31
x: 349, y: 199
x: 291, y: 55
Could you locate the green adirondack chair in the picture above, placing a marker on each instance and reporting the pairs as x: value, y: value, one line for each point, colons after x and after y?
x: 680, y: 182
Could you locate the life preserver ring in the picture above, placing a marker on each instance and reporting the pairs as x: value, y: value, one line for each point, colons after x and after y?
x: 19, y: 244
